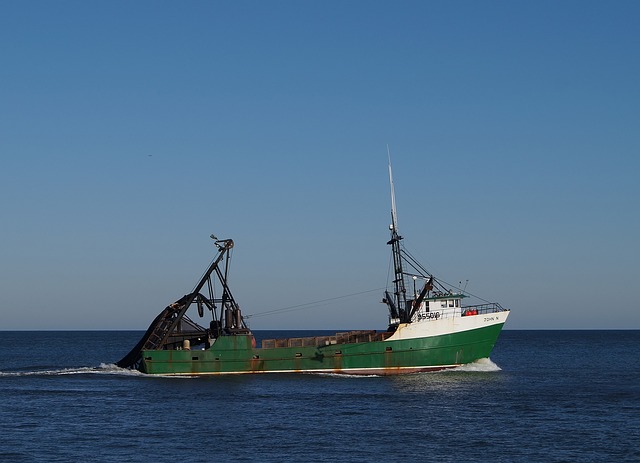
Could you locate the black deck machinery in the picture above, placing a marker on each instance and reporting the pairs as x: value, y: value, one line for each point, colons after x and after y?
x: 172, y: 328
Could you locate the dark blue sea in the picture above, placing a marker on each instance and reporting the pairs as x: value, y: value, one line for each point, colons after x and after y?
x: 544, y: 396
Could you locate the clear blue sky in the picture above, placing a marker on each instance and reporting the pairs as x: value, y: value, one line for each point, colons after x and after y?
x: 130, y: 131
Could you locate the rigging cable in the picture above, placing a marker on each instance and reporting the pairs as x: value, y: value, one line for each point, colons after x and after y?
x: 412, y: 260
x: 307, y: 305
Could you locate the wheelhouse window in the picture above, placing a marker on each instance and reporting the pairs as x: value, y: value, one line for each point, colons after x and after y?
x: 451, y: 303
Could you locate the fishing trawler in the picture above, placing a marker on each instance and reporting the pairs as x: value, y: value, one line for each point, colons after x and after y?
x: 430, y: 330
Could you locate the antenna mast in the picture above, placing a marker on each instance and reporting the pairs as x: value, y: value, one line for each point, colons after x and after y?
x: 400, y: 292
x: 394, y: 218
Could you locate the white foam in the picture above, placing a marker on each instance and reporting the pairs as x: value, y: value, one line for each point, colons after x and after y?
x: 103, y: 369
x: 112, y: 369
x: 481, y: 365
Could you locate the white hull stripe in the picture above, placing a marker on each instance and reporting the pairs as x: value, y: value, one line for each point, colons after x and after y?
x: 353, y: 371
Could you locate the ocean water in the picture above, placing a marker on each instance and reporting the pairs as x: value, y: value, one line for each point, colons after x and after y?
x: 544, y: 396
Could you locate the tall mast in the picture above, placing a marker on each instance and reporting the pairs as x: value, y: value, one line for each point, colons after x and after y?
x: 400, y: 292
x: 394, y: 219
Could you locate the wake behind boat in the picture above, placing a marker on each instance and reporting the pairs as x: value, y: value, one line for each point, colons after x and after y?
x: 431, y: 330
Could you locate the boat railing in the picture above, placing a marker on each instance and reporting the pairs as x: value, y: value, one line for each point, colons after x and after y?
x: 348, y: 337
x: 491, y: 307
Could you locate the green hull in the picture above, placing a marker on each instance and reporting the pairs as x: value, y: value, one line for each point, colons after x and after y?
x: 235, y: 354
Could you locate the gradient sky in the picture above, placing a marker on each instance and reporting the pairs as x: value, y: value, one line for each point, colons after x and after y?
x: 131, y: 131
